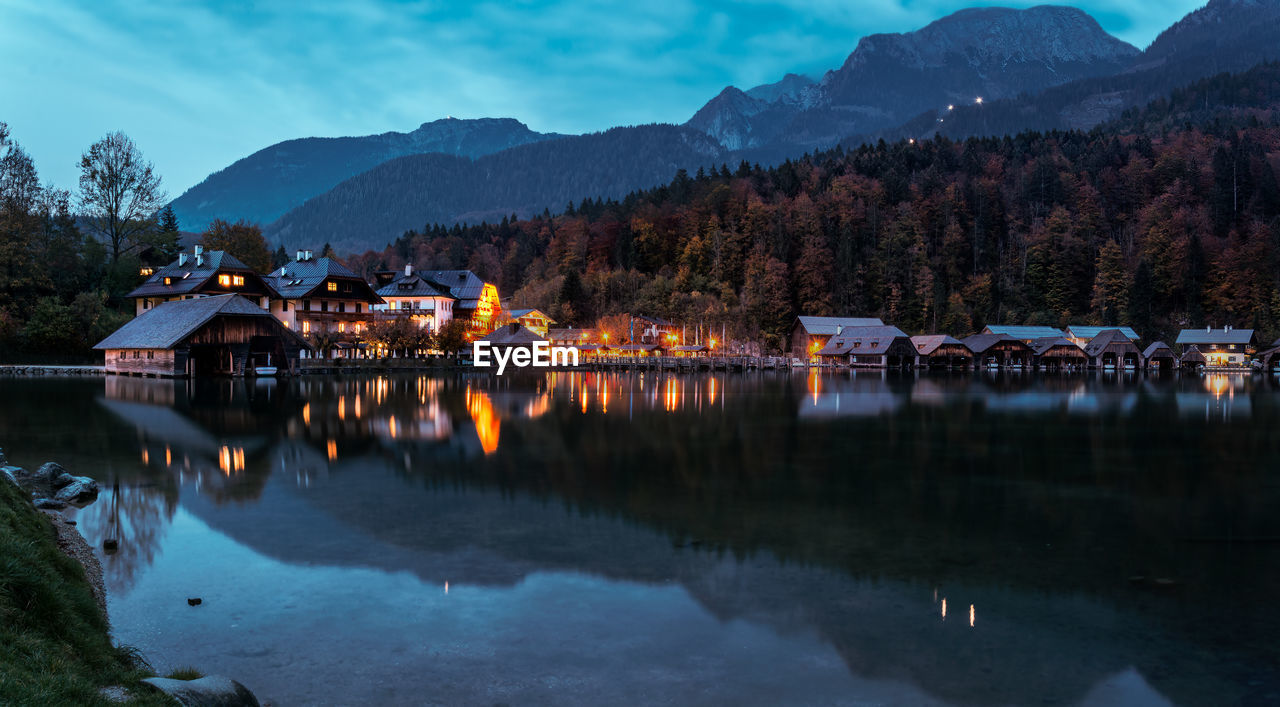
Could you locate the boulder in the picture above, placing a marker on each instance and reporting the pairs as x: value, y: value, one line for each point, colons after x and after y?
x: 50, y: 504
x: 211, y: 691
x: 81, y: 489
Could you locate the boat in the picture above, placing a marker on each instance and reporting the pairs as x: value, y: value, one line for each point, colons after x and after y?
x: 265, y: 371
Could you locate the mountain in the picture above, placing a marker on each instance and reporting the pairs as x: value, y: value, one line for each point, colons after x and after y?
x: 273, y: 180
x: 377, y: 206
x: 890, y: 78
x: 1223, y: 36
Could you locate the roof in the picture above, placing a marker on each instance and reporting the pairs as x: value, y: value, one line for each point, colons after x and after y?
x: 1040, y: 346
x: 1192, y: 354
x: 1215, y: 336
x: 1107, y: 339
x: 570, y: 334
x: 464, y: 285
x: 827, y: 326
x: 167, y: 324
x: 862, y: 340
x: 1025, y: 333
x: 517, y: 313
x: 1078, y: 331
x: 688, y: 349
x: 657, y: 321
x: 981, y: 342
x: 300, y: 277
x: 638, y: 347
x: 932, y: 342
x: 1156, y: 347
x: 188, y: 277
x: 512, y: 335
x: 413, y: 285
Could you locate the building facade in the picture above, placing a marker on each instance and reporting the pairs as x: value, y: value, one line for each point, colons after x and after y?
x: 197, y: 274
x: 409, y: 294
x: 320, y: 296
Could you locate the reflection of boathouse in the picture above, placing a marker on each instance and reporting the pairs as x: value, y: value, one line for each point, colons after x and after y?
x: 222, y: 335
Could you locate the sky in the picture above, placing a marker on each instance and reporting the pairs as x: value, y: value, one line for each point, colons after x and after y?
x: 199, y: 84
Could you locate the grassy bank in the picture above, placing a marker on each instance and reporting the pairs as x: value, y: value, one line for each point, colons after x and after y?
x: 54, y: 644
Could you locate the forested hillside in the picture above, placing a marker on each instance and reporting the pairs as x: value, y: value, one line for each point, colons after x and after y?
x: 1153, y: 221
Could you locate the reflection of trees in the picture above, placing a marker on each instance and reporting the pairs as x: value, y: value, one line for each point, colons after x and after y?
x: 136, y: 518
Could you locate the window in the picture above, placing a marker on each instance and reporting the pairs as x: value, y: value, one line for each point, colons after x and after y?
x: 224, y: 280
x: 342, y: 307
x: 359, y: 307
x: 306, y: 327
x: 121, y: 354
x: 146, y: 304
x: 324, y: 305
x: 151, y: 354
x: 342, y: 327
x: 284, y: 305
x: 168, y: 281
x: 146, y: 271
x: 333, y: 286
x: 135, y: 353
x: 237, y: 280
x: 306, y: 304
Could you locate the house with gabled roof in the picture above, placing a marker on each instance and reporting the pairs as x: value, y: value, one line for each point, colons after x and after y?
x: 322, y: 296
x: 534, y: 320
x: 1159, y: 357
x: 1081, y: 334
x: 1112, y: 349
x: 869, y: 346
x: 208, y: 335
x: 411, y: 294
x: 201, y: 273
x: 1058, y: 353
x: 941, y: 351
x: 476, y: 301
x: 1221, y: 347
x: 810, y: 334
x: 1000, y: 351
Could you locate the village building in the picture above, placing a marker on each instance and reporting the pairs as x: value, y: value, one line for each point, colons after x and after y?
x: 1112, y: 349
x: 322, y: 296
x: 810, y: 334
x: 1191, y: 358
x: 690, y: 351
x: 1159, y: 357
x: 1000, y: 351
x: 534, y: 320
x: 569, y: 336
x: 653, y: 330
x: 475, y: 301
x: 1229, y: 347
x: 1058, y: 353
x: 941, y: 351
x: 1270, y: 359
x: 512, y: 335
x: 638, y: 350
x: 200, y: 274
x: 410, y: 294
x: 1081, y: 335
x: 869, y: 346
x: 210, y: 335
x: 1025, y: 334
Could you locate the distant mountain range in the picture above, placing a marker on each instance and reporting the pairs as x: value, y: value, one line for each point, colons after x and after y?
x: 266, y: 184
x: 1039, y: 68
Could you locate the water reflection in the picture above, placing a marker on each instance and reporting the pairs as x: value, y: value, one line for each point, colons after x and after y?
x: 828, y: 503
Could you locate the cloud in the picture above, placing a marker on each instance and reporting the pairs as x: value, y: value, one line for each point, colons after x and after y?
x: 199, y: 84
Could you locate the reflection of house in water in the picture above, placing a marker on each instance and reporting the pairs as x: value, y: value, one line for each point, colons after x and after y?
x: 1223, y: 398
x: 857, y: 395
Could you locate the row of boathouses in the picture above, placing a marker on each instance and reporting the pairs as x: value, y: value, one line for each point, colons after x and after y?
x: 863, y: 342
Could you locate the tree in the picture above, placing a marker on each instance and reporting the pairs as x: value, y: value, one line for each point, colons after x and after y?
x: 119, y: 193
x: 242, y: 240
x: 452, y: 337
x: 327, y: 252
x: 167, y: 241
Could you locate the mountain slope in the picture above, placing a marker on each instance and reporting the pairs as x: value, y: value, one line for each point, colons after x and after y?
x: 273, y: 180
x: 889, y: 78
x: 1223, y: 36
x: 377, y: 206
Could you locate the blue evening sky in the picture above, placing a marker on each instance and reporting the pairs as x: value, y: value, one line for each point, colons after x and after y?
x: 200, y: 83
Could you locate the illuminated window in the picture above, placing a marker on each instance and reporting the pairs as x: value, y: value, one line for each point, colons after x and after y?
x: 224, y: 280
x: 286, y: 325
x: 333, y: 287
x: 342, y: 327
x: 306, y: 327
x: 146, y: 272
x: 237, y: 280
x: 168, y: 281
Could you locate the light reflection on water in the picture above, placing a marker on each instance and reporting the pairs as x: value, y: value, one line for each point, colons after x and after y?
x: 820, y: 512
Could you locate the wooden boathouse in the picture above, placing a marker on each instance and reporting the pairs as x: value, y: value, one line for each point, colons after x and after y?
x: 1000, y: 351
x: 1058, y: 353
x: 941, y: 351
x: 870, y: 347
x: 219, y: 335
x: 1112, y: 349
x: 1159, y: 357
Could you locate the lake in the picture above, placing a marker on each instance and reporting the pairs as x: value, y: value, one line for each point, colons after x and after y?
x: 640, y: 538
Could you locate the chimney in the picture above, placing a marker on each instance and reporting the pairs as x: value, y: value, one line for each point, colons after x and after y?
x: 199, y: 249
x: 408, y: 269
x: 839, y: 328
x: 199, y: 255
x: 308, y: 254
x: 301, y: 255
x: 182, y: 259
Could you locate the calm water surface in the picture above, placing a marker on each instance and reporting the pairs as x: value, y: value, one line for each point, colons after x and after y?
x: 828, y: 538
